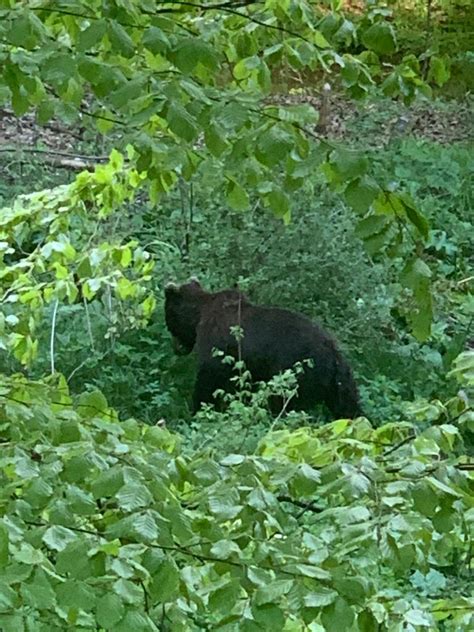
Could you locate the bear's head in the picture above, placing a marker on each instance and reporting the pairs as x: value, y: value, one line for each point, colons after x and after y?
x: 183, y: 304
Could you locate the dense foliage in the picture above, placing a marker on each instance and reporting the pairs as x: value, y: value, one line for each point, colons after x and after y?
x: 187, y: 85
x: 105, y: 524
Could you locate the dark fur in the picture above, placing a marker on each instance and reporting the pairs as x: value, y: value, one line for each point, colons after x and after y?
x: 274, y: 339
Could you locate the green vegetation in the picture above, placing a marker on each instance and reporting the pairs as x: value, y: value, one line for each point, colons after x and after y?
x: 144, y: 142
x: 108, y: 526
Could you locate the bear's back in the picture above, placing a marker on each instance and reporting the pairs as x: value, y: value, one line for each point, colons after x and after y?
x: 282, y: 334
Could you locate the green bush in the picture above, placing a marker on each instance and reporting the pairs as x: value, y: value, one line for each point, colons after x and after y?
x: 106, y: 525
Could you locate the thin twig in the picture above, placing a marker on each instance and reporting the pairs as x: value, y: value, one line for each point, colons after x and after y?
x: 306, y: 505
x: 53, y: 332
x: 226, y: 8
x: 52, y: 152
x: 88, y: 324
x: 176, y: 548
x: 400, y: 444
x: 468, y: 409
x: 71, y: 405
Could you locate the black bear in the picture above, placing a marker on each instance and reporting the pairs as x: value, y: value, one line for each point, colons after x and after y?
x: 274, y: 339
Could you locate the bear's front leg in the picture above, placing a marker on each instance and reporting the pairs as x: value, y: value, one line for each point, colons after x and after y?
x: 209, y: 379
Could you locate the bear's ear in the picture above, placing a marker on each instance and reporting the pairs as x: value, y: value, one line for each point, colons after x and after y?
x: 194, y: 281
x: 171, y: 288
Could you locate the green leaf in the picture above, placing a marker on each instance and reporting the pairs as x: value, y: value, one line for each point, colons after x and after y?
x: 224, y: 505
x: 237, y: 197
x: 463, y: 368
x: 107, y: 484
x: 348, y: 165
x: 39, y: 492
x: 76, y: 594
x: 431, y: 583
x: 145, y: 527
x: 224, y: 549
x: 444, y: 519
x: 156, y: 40
x: 73, y: 560
x: 244, y: 68
x: 127, y: 93
x: 320, y: 597
x: 59, y: 68
x: 28, y: 555
x: 233, y: 459
x: 20, y: 101
x: 12, y: 623
x: 104, y: 121
x: 38, y: 592
x: 133, y: 496
x: 306, y: 481
x: 415, y: 274
x: 278, y: 202
x: 273, y: 592
x: 354, y: 589
x: 438, y: 71
x: 367, y: 622
x: 380, y: 37
x: 125, y: 289
x: 165, y: 582
x: 425, y: 499
x: 92, y: 403
x: 8, y: 599
x: 45, y: 111
x: 69, y: 431
x: 415, y: 216
x: 372, y: 225
x: 337, y: 616
x: 360, y: 194
x: 181, y: 122
x: 320, y: 40
x: 109, y: 611
x: 135, y: 620
x: 130, y: 593
x: 309, y: 571
x: 26, y: 30
x: 120, y: 39
x: 190, y: 52
x: 4, y: 541
x: 91, y: 36
x: 264, y: 76
x: 225, y: 597
x: 273, y: 146
x: 80, y: 501
x: 58, y: 537
x: 269, y: 617
x: 303, y: 114
x: 417, y: 617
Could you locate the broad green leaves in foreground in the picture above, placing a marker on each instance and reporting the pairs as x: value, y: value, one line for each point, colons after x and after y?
x: 106, y: 525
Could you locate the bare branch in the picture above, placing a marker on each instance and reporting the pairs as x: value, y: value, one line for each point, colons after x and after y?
x: 398, y: 445
x: 53, y: 152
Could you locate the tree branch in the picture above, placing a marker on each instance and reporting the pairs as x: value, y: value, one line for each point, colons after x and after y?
x: 305, y: 505
x: 53, y: 152
x: 227, y: 7
x: 63, y: 160
x: 398, y: 445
